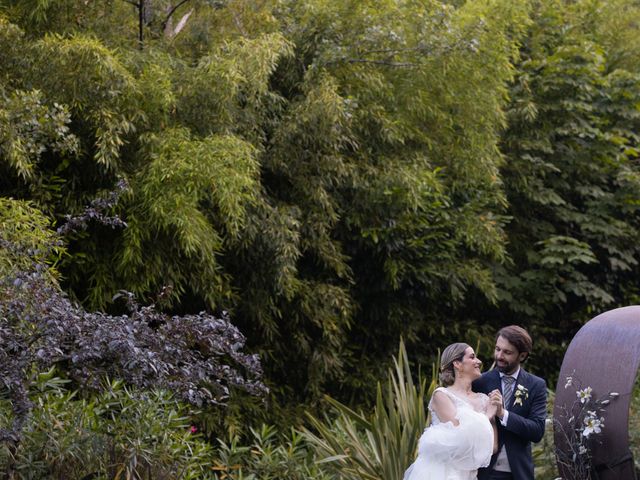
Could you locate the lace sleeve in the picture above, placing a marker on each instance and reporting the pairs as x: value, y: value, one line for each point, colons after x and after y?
x: 483, y: 402
x: 435, y: 419
x: 430, y: 406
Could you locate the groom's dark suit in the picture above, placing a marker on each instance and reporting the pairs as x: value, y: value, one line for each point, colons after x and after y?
x: 525, y: 423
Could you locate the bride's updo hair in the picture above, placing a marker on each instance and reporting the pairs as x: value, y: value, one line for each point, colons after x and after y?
x: 452, y: 353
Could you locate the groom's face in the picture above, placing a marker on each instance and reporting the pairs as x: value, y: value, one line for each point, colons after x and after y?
x: 507, y: 356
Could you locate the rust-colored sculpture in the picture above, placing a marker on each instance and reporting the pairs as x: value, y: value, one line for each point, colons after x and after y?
x: 605, y: 354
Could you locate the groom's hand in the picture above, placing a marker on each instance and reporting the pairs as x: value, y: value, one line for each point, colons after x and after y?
x: 496, y: 399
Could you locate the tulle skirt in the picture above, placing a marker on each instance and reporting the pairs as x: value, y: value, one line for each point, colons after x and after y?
x: 448, y: 452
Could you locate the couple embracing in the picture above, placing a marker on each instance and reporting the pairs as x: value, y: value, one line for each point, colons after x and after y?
x: 482, y: 425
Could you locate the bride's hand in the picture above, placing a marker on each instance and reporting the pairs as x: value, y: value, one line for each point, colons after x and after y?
x: 492, y: 408
x: 495, y: 404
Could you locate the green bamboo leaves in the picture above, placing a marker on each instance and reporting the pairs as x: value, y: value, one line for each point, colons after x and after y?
x: 193, y: 193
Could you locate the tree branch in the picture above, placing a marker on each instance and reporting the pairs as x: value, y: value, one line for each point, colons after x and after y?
x: 238, y: 22
x: 171, y: 12
x: 183, y: 21
x: 141, y: 24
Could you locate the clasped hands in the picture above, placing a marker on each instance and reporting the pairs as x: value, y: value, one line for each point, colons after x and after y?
x: 495, y: 402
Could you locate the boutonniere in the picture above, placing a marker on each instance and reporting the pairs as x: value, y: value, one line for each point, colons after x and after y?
x: 521, y: 395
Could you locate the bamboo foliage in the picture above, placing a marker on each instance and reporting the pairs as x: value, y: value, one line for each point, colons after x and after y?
x: 336, y: 174
x: 99, y: 89
x: 183, y: 175
x: 25, y: 226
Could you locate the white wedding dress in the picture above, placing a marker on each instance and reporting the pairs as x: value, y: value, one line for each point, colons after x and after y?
x: 450, y: 452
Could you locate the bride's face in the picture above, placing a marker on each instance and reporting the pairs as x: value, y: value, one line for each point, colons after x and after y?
x: 470, y: 365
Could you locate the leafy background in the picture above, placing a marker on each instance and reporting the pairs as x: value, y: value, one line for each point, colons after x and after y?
x: 334, y: 175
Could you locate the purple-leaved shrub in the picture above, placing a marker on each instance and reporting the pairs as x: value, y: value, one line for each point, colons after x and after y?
x: 197, y: 357
x: 96, y: 212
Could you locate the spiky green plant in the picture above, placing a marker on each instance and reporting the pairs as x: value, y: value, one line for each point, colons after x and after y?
x: 381, y: 445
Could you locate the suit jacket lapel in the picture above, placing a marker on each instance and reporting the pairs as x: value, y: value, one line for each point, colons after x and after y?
x: 496, y: 381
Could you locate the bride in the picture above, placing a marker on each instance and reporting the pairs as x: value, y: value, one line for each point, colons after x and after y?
x: 462, y: 435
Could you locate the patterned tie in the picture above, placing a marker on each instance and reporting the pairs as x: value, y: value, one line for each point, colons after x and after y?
x: 509, y: 383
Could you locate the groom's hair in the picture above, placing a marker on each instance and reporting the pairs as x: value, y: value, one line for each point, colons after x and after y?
x: 518, y: 337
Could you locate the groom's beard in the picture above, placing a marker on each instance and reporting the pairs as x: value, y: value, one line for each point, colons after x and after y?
x: 506, y: 367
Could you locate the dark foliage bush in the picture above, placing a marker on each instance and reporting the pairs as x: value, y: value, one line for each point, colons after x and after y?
x: 197, y: 357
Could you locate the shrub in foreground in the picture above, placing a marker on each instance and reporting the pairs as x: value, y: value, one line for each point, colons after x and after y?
x: 119, y: 433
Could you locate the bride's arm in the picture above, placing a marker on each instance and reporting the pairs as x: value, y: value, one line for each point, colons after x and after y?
x: 490, y: 410
x: 444, y: 408
x: 495, y: 435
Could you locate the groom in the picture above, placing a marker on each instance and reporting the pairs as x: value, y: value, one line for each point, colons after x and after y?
x: 522, y: 400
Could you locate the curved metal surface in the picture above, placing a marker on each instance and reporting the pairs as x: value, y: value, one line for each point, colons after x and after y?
x: 605, y: 354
